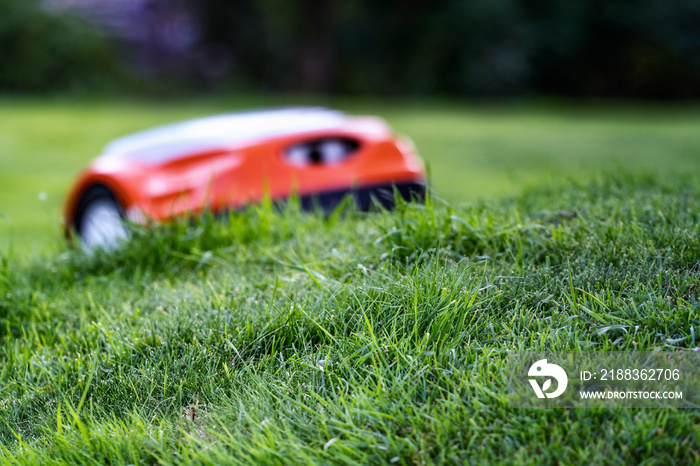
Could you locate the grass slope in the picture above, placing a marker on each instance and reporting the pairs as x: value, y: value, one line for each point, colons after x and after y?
x: 282, y: 337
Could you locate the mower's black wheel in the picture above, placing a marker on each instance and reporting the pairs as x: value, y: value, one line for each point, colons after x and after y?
x: 99, y: 219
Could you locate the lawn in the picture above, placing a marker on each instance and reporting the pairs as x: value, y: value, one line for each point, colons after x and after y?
x: 281, y: 337
x: 475, y: 151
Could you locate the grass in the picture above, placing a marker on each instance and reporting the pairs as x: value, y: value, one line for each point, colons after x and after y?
x: 280, y: 337
x: 475, y: 151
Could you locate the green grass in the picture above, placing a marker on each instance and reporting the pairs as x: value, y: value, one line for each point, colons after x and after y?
x: 281, y: 337
x: 475, y: 151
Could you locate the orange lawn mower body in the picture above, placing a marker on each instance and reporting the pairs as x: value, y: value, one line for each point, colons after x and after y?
x: 229, y: 161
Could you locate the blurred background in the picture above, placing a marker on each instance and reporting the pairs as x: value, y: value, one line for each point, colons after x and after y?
x: 646, y: 49
x: 498, y: 95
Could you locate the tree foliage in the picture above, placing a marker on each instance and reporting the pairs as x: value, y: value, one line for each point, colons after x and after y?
x: 41, y: 51
x: 628, y: 48
x: 607, y: 48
